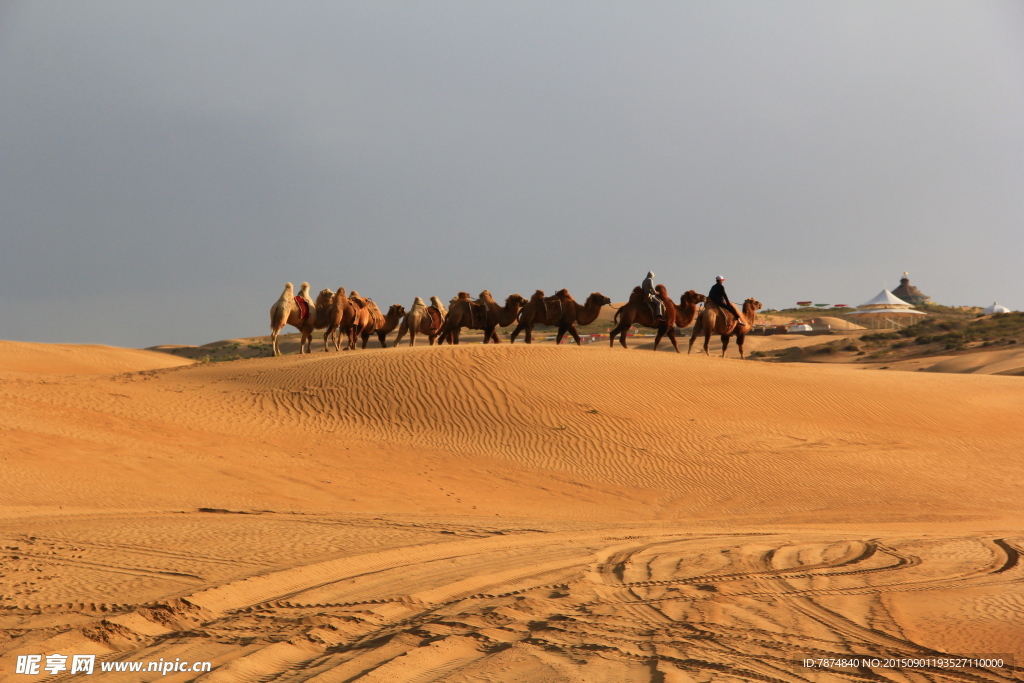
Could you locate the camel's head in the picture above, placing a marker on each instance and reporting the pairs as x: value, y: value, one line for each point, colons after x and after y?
x: 692, y: 297
x: 396, y: 311
x: 515, y: 300
x: 324, y: 298
x: 751, y: 304
x: 597, y: 299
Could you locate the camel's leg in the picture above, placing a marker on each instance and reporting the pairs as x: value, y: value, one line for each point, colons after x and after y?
x: 382, y: 336
x: 693, y: 337
x: 620, y: 330
x: 657, y: 338
x: 330, y: 329
x: 672, y: 337
x: 412, y: 338
x: 273, y: 341
x: 725, y: 344
x: 575, y: 334
x: 495, y: 339
x: 366, y: 339
x: 529, y: 333
x: 739, y: 344
x: 402, y: 329
x: 515, y: 333
x: 707, y: 340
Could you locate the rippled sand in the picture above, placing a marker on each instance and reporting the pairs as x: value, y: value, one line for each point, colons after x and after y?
x: 506, y: 513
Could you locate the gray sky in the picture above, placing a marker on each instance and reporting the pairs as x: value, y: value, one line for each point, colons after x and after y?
x: 165, y: 167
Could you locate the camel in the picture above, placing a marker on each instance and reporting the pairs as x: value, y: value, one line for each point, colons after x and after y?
x: 421, y: 320
x: 637, y: 311
x: 534, y: 312
x: 564, y: 312
x: 287, y: 311
x: 368, y: 319
x: 687, y: 309
x: 483, y: 314
x: 394, y: 316
x: 713, y: 320
x: 339, y: 317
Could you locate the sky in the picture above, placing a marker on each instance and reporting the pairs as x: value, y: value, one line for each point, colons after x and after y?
x: 165, y: 167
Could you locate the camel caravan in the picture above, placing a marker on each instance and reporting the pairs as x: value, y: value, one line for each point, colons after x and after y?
x: 351, y: 317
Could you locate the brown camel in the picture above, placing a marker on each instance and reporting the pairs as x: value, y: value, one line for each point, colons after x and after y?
x: 637, y: 311
x: 339, y: 317
x: 422, y: 319
x: 687, y: 309
x: 715, y: 321
x: 563, y: 311
x: 483, y: 314
x: 369, y: 319
x: 394, y: 316
x: 287, y: 310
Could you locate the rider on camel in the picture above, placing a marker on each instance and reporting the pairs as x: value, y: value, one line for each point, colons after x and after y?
x: 653, y: 300
x: 718, y: 297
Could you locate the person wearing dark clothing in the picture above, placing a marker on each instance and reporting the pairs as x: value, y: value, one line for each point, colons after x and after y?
x: 653, y: 300
x: 718, y: 297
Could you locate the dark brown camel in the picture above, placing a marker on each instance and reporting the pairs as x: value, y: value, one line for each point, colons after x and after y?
x: 563, y: 311
x: 534, y: 313
x: 483, y: 314
x: 715, y: 321
x: 637, y: 311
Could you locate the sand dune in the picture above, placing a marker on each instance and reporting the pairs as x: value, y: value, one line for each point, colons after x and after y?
x: 1009, y: 362
x: 509, y: 513
x: 78, y: 359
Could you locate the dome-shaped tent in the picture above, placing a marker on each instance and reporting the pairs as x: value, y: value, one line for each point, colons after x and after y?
x: 885, y: 311
x: 995, y: 308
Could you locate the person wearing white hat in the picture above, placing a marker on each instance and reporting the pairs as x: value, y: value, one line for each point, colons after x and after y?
x: 718, y: 297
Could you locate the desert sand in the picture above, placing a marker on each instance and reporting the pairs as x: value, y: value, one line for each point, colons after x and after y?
x: 506, y: 513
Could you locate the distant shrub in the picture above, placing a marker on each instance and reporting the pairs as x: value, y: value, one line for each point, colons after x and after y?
x: 851, y: 347
x: 825, y: 350
x: 880, y: 336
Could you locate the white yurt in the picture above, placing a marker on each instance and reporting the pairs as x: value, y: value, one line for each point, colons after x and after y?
x: 885, y: 311
x: 995, y: 308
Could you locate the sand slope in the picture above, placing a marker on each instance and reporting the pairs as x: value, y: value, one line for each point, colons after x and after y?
x: 79, y: 359
x: 510, y: 513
